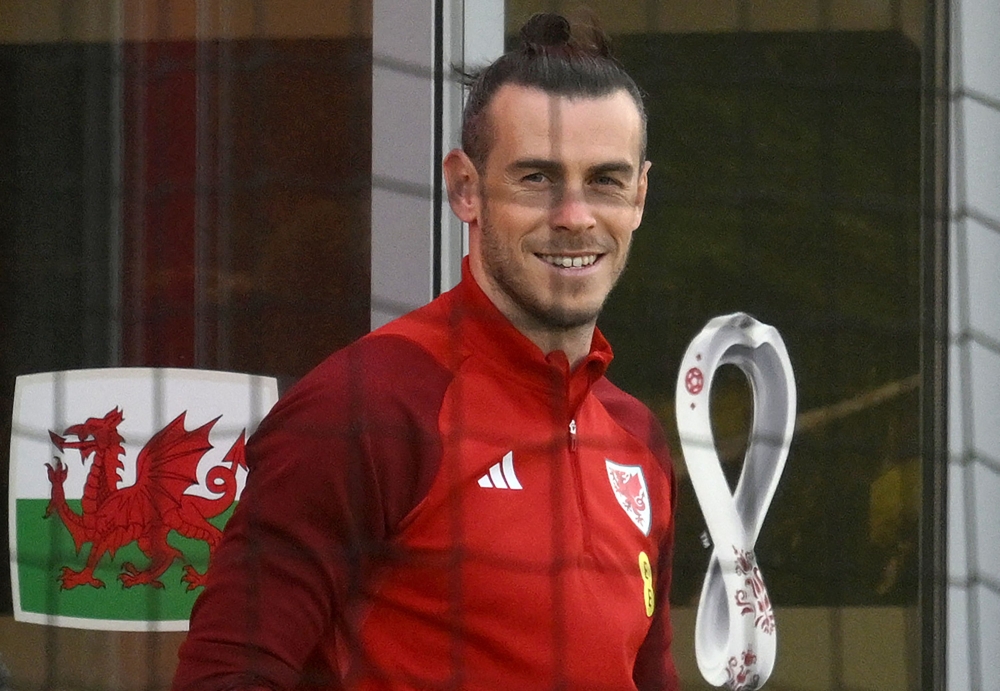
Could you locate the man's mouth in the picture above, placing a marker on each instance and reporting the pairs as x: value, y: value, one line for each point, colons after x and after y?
x: 569, y: 262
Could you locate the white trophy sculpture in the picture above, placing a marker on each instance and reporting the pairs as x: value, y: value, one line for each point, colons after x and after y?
x: 735, y: 636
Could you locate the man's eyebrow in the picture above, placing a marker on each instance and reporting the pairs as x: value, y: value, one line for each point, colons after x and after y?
x: 545, y: 164
x: 550, y: 165
x: 613, y: 167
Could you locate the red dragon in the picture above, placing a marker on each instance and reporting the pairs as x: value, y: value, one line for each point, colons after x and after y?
x: 148, y: 510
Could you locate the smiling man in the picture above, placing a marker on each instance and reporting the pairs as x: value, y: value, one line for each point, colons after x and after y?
x: 461, y: 499
x: 552, y: 208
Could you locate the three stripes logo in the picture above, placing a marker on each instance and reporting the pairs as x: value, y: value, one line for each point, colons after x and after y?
x: 501, y: 475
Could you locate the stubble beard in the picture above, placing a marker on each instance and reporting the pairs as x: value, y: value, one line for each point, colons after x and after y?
x: 500, y: 268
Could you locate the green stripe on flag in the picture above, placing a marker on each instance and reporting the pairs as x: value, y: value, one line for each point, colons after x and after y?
x: 45, y: 546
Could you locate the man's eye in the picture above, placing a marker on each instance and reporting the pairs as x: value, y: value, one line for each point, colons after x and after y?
x: 608, y: 180
x: 535, y: 178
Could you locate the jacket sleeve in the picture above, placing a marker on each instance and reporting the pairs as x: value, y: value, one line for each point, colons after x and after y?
x: 340, y: 460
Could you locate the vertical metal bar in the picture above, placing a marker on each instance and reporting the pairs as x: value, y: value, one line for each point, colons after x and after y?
x: 403, y: 104
x: 437, y: 196
x: 933, y: 585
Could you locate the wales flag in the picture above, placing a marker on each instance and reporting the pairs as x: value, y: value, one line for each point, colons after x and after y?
x: 120, y: 483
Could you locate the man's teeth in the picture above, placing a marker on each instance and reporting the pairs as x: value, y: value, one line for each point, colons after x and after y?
x: 570, y: 262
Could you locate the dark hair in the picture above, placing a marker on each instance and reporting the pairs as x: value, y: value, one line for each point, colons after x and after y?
x: 555, y: 57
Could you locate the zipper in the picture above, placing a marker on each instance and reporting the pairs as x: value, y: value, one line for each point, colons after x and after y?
x: 574, y: 462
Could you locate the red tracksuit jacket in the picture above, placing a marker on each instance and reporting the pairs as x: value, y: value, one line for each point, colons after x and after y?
x: 441, y: 506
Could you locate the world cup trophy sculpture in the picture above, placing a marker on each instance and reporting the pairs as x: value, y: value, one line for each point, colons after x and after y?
x: 735, y: 631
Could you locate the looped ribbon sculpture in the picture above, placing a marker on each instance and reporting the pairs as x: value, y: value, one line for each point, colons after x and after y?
x: 735, y: 636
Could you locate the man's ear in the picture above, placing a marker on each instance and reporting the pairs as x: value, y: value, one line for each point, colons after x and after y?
x: 640, y: 192
x: 462, y: 181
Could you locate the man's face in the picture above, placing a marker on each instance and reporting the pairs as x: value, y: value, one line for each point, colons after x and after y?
x: 561, y: 192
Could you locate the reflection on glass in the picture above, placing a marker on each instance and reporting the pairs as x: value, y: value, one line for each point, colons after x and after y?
x: 785, y: 183
x: 182, y: 184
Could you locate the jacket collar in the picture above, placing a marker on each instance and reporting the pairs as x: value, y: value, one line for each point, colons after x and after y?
x: 486, y: 333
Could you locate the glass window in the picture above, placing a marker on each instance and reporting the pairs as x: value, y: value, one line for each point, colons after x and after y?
x: 785, y: 144
x: 184, y: 185
x: 189, y: 184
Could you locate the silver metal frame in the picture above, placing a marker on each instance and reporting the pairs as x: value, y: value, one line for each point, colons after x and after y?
x: 416, y: 244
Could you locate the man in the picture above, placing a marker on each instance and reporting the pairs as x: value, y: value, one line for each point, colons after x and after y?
x: 461, y: 500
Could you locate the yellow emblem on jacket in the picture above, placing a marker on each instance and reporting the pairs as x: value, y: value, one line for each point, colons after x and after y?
x: 648, y: 595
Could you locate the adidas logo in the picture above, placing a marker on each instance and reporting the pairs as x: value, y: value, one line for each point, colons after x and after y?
x: 501, y: 475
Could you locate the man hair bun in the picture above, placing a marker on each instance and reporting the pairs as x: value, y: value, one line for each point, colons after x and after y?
x: 553, y: 34
x: 544, y: 30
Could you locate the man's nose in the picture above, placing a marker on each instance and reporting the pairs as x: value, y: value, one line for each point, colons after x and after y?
x: 571, y: 210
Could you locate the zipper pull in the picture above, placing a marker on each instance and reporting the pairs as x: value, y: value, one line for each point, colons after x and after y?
x: 572, y: 435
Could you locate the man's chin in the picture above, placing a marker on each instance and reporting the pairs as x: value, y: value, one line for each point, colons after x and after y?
x: 551, y: 310
x: 562, y: 318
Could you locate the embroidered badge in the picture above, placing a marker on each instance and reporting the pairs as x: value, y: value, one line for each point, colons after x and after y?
x: 629, y: 486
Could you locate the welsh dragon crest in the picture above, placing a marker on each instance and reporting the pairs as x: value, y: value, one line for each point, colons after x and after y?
x: 148, y: 510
